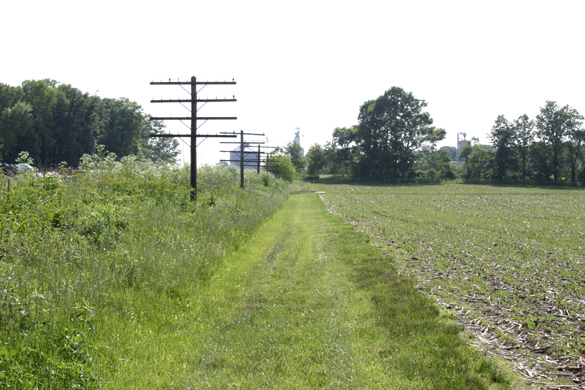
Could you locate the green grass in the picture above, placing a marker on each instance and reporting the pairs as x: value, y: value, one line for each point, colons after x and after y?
x: 306, y: 303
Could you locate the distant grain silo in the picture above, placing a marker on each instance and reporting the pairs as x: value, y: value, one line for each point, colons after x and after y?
x: 250, y: 157
x: 298, y: 141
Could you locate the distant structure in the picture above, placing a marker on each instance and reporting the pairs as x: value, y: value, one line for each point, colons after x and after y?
x: 461, y: 143
x: 298, y: 140
x: 250, y: 157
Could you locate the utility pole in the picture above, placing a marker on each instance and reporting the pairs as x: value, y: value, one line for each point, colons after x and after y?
x: 194, y: 118
x: 241, y: 160
x: 260, y: 153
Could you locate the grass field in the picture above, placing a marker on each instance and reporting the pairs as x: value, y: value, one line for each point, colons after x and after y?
x: 509, y: 262
x: 307, y: 304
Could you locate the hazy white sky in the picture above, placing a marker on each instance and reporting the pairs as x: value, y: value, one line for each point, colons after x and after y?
x: 306, y: 64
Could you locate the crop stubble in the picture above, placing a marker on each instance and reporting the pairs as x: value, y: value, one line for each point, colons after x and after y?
x: 508, y: 262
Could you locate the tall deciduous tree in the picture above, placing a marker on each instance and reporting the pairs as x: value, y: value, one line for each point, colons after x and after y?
x: 43, y: 97
x: 293, y: 150
x: 9, y: 96
x: 17, y: 130
x: 343, y: 153
x: 574, y: 149
x: 436, y: 163
x: 523, y: 138
x: 502, y: 137
x: 125, y: 129
x: 316, y: 160
x: 80, y: 123
x: 541, y: 160
x: 554, y: 125
x: 162, y: 149
x: 390, y: 129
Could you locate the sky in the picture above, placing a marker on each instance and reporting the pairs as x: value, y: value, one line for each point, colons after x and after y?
x: 305, y: 64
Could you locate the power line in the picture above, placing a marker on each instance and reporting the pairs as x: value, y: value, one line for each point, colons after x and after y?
x: 194, y: 118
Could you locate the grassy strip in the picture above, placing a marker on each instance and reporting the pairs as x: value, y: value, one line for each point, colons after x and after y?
x: 306, y: 303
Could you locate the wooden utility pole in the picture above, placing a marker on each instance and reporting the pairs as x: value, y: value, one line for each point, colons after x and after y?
x: 242, y: 160
x: 260, y: 153
x: 194, y: 118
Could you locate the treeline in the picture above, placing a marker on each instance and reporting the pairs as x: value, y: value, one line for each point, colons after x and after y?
x: 394, y: 140
x: 549, y: 147
x: 58, y: 123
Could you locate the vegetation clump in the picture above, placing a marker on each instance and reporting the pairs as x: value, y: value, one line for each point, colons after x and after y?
x: 57, y: 123
x: 89, y: 261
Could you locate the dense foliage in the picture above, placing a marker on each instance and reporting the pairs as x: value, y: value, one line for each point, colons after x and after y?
x: 88, y: 262
x: 282, y: 167
x: 394, y: 141
x: 58, y: 123
x: 393, y: 138
x: 390, y: 129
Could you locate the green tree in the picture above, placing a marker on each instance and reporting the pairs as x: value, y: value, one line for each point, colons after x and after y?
x: 293, y: 150
x: 451, y: 152
x: 478, y: 160
x: 541, y: 160
x: 502, y: 137
x: 436, y: 163
x: 125, y: 130
x: 524, y: 137
x: 574, y: 147
x: 316, y: 160
x: 390, y: 129
x: 343, y: 153
x: 17, y: 130
x: 573, y: 152
x: 554, y: 125
x: 162, y: 149
x: 43, y: 98
x: 80, y: 122
x: 9, y: 96
x: 62, y: 121
x: 62, y: 124
x: 282, y: 167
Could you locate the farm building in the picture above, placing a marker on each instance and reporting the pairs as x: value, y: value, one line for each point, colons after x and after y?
x: 250, y: 157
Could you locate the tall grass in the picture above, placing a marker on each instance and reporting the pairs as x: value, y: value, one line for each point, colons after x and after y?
x: 89, y: 262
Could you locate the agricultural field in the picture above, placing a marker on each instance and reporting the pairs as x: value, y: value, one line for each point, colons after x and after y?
x: 507, y: 262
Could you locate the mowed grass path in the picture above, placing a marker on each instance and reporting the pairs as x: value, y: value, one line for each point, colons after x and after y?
x: 308, y: 303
